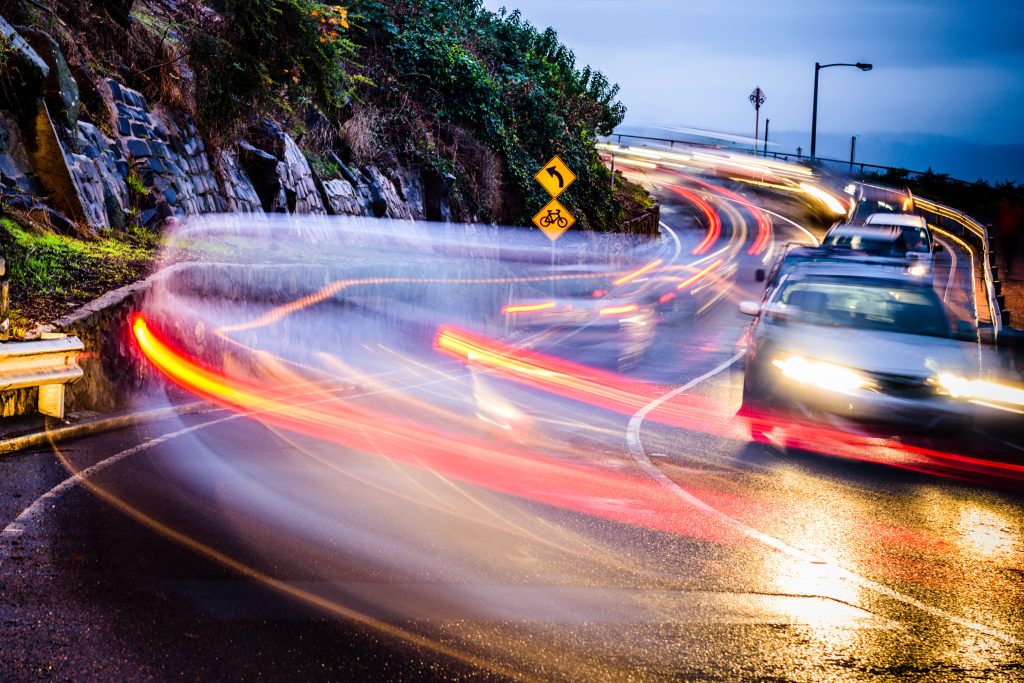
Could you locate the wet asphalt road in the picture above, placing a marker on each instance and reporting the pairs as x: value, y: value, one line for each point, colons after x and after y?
x: 783, y: 565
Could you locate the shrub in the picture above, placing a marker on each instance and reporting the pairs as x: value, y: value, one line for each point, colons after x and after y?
x: 511, y: 86
x: 266, y: 56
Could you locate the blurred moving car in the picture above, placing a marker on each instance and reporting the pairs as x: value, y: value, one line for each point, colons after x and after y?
x: 864, y: 344
x: 916, y: 236
x: 612, y: 322
x: 601, y: 332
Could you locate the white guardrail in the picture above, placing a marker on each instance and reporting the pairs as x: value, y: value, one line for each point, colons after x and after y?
x: 981, y: 232
x: 48, y: 364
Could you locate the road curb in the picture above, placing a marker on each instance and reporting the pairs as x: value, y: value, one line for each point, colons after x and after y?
x: 19, y: 443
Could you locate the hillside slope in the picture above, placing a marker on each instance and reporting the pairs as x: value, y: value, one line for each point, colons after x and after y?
x: 118, y: 114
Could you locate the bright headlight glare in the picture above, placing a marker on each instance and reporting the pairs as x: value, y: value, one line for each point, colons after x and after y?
x: 820, y: 374
x: 917, y: 270
x: 981, y: 391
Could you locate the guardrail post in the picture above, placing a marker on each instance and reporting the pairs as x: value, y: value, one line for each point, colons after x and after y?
x: 51, y: 400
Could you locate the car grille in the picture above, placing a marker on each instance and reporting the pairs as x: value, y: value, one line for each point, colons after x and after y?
x: 903, y: 386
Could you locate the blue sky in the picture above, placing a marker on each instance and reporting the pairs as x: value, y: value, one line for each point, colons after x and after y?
x: 947, y: 68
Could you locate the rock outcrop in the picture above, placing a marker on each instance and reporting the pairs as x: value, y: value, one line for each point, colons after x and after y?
x: 145, y: 163
x: 24, y: 73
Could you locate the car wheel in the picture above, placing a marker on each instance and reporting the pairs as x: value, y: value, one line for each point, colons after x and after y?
x: 756, y: 404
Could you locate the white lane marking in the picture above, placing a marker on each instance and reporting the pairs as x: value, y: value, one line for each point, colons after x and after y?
x: 952, y: 268
x: 636, y: 450
x: 17, y: 527
x: 635, y: 422
x: 672, y: 233
x: 970, y: 257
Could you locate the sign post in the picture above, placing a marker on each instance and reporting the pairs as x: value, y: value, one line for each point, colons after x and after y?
x: 554, y: 219
x: 757, y: 98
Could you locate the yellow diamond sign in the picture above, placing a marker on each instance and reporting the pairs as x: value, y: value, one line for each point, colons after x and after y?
x: 553, y: 220
x: 555, y: 176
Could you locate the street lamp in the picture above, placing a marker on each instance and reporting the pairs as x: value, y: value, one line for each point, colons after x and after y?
x: 814, y: 116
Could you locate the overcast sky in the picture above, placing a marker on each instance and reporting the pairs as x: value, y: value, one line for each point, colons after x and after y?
x: 942, y: 67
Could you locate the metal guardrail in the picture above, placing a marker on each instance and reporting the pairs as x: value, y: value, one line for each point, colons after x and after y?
x: 672, y: 143
x: 48, y: 364
x: 790, y: 157
x: 998, y: 316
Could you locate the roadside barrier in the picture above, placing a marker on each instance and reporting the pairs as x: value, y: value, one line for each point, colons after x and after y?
x: 47, y: 363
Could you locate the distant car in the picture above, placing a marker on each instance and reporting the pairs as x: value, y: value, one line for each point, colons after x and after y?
x: 867, y: 240
x: 875, y: 199
x: 859, y: 343
x: 874, y: 252
x: 916, y: 235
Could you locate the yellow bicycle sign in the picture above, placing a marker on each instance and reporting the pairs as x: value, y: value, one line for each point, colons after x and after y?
x: 553, y: 220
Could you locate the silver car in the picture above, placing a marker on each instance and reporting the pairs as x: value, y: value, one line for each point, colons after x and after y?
x: 865, y: 344
x: 921, y: 247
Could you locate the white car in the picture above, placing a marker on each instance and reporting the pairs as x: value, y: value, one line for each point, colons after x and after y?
x: 864, y: 344
x: 921, y: 247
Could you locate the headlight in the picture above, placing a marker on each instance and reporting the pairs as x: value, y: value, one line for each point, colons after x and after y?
x: 820, y: 374
x: 917, y: 270
x: 981, y: 391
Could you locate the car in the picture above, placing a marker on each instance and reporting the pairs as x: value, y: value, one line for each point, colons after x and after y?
x: 921, y: 247
x: 604, y: 320
x: 867, y: 241
x: 862, y: 344
x: 795, y: 254
x: 872, y: 199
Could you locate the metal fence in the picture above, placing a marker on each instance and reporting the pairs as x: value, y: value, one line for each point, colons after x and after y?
x: 646, y: 224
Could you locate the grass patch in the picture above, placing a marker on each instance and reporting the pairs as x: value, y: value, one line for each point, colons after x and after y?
x: 53, y: 274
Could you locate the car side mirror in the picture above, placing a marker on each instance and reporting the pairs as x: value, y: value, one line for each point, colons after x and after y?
x: 750, y: 308
x: 936, y: 247
x: 759, y: 275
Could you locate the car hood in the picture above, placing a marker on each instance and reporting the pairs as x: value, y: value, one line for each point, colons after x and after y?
x: 908, y: 355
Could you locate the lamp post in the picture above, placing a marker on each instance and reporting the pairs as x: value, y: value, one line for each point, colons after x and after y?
x: 814, y: 115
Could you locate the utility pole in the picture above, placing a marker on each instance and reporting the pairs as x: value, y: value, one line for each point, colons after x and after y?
x: 766, y: 122
x: 853, y: 147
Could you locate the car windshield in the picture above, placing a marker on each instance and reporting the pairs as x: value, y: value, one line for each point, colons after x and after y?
x: 916, y: 239
x: 865, y: 304
x: 867, y: 244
